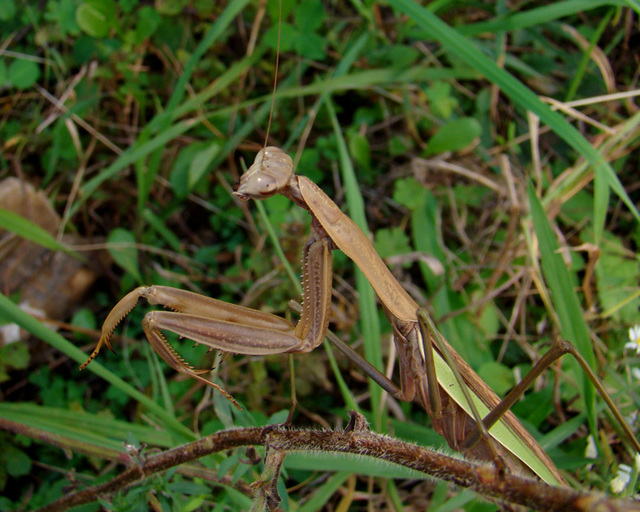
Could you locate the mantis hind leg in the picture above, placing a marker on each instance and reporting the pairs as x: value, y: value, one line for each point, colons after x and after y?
x: 457, y: 425
x: 557, y: 350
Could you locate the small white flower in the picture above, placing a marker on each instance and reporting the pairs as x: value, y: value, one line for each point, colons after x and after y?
x: 591, y: 451
x: 622, y: 479
x: 634, y: 339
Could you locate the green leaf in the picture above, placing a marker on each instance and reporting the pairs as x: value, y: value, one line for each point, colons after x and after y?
x: 7, y: 9
x: 288, y: 36
x: 409, y: 193
x: 201, y: 163
x: 122, y: 247
x: 15, y: 355
x: 85, y: 319
x: 192, y: 163
x: 309, y: 16
x: 23, y: 73
x: 96, y: 17
x: 17, y: 462
x: 281, y: 6
x: 401, y: 56
x: 453, y: 136
x: 311, y: 46
x: 148, y: 22
x: 498, y: 376
x: 390, y: 242
x: 63, y: 14
x: 399, y: 145
x: 360, y: 150
x: 359, y: 464
x: 565, y: 300
x: 617, y: 276
x: 4, y: 74
x: 440, y: 98
x: 170, y: 7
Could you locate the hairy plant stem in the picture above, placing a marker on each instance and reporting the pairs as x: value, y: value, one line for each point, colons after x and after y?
x: 485, y: 479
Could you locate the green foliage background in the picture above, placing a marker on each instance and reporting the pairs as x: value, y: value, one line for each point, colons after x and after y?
x: 416, y: 121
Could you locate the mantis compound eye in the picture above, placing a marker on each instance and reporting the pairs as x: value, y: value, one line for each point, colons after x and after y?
x: 265, y: 185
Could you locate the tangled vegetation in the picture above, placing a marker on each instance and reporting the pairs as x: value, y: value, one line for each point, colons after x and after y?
x: 495, y: 150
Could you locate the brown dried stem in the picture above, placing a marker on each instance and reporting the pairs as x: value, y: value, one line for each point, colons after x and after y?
x: 356, y: 439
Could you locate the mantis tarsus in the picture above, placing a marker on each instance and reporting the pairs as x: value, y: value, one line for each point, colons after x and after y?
x: 241, y: 330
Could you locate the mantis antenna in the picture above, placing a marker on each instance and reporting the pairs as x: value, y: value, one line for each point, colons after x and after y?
x: 275, y: 77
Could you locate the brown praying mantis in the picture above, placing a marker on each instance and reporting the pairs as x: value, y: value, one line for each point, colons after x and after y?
x: 463, y: 408
x: 428, y: 364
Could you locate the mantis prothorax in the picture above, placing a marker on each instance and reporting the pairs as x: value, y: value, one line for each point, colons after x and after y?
x: 420, y: 347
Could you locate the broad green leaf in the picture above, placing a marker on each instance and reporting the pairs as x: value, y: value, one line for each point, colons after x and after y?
x: 401, y: 56
x: 617, y: 277
x: 311, y: 46
x: 17, y: 462
x: 170, y: 7
x: 148, y: 22
x: 7, y: 9
x: 389, y: 242
x: 96, y: 17
x: 23, y: 73
x: 360, y: 149
x: 309, y: 16
x: 497, y: 376
x: 122, y: 247
x: 15, y: 355
x: 4, y: 74
x: 201, y: 163
x: 85, y: 319
x: 288, y: 36
x: 399, y: 145
x: 454, y: 136
x: 408, y: 192
x: 440, y: 99
x: 63, y: 12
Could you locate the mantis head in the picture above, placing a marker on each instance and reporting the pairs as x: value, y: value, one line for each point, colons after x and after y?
x: 269, y: 174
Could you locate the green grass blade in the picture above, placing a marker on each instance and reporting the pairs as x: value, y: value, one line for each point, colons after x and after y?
x: 130, y: 156
x: 28, y: 230
x: 213, y: 34
x: 323, y: 493
x: 347, y: 395
x: 564, y: 298
x: 358, y: 464
x: 533, y: 17
x: 369, y: 322
x: 464, y: 49
x: 271, y: 232
x: 147, y: 169
x: 91, y: 429
x: 9, y: 310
